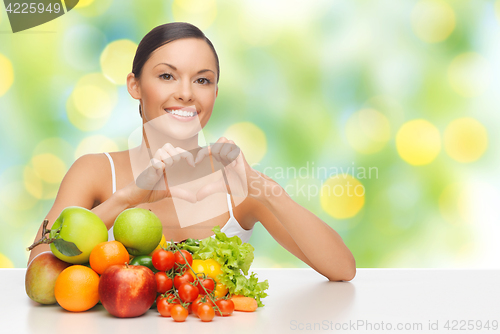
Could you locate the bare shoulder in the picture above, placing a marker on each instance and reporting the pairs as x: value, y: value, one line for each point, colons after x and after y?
x: 94, y: 170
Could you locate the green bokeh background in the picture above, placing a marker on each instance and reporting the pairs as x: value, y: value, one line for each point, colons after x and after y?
x: 298, y: 71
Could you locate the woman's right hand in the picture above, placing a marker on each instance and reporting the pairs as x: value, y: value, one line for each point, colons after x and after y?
x: 151, y: 186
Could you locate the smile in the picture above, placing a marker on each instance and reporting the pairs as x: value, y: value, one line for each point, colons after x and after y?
x: 182, y: 113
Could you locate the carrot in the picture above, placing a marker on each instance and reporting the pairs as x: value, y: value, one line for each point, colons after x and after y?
x: 245, y: 304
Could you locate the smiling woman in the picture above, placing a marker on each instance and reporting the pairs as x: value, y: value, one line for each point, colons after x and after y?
x: 191, y: 189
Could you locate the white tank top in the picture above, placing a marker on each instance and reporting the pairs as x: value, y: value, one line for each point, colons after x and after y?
x: 231, y: 228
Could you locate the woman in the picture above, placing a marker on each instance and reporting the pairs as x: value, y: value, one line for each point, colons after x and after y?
x: 174, y: 77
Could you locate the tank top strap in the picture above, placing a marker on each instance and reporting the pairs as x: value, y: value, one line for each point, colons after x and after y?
x: 113, y: 175
x: 230, y: 206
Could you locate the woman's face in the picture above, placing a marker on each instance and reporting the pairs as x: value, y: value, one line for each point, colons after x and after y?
x: 178, y: 75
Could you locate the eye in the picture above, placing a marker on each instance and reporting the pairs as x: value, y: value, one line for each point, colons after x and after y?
x: 166, y: 76
x: 205, y: 82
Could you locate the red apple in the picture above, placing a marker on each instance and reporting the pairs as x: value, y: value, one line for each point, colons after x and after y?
x: 127, y: 291
x: 41, y: 277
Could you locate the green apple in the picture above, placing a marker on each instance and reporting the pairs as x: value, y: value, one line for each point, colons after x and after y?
x: 81, y: 227
x: 139, y: 230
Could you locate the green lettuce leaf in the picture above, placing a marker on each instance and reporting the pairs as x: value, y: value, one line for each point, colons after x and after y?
x: 235, y: 259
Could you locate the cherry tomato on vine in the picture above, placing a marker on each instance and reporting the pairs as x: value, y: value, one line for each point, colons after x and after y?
x: 208, y: 283
x: 184, y: 278
x: 163, y: 306
x: 178, y: 312
x: 163, y: 260
x: 226, y: 306
x: 206, y: 312
x: 180, y: 260
x: 188, y: 292
x: 163, y: 282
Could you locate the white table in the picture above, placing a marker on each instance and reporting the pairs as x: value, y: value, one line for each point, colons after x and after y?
x: 299, y: 300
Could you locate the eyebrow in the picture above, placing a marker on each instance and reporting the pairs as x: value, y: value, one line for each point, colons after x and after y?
x: 175, y: 69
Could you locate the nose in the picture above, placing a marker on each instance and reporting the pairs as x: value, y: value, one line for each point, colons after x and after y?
x: 184, y: 92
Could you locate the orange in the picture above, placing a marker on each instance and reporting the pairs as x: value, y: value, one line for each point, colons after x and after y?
x: 106, y: 254
x: 76, y: 288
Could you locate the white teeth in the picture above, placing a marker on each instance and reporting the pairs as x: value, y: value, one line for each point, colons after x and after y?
x: 181, y: 112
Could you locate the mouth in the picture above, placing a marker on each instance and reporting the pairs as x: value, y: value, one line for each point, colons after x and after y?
x: 183, y: 113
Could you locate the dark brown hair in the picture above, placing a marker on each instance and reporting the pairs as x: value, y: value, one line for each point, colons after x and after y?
x: 162, y: 35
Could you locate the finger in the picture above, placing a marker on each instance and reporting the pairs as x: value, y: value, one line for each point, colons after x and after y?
x: 186, y: 155
x: 204, y: 152
x: 163, y: 155
x: 233, y: 154
x: 216, y: 148
x: 172, y: 152
x: 226, y: 148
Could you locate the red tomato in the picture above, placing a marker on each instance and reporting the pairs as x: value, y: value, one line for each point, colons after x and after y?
x: 178, y: 312
x: 180, y: 260
x: 163, y: 282
x: 163, y: 306
x: 163, y: 260
x: 208, y: 283
x: 184, y: 278
x: 195, y: 304
x: 188, y: 292
x: 226, y: 306
x: 198, y: 301
x: 206, y: 312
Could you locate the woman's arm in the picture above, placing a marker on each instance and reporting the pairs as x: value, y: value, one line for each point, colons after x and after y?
x: 81, y: 186
x: 301, y: 232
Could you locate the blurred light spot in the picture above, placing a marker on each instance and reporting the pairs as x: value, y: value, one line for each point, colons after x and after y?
x: 92, y: 7
x: 7, y: 77
x: 465, y: 139
x: 57, y: 146
x: 201, y: 13
x: 342, y: 196
x: 95, y: 144
x: 368, y: 131
x: 469, y: 74
x: 116, y: 60
x: 82, y: 45
x: 91, y: 102
x: 33, y: 182
x: 81, y: 122
x: 94, y: 97
x: 13, y: 193
x: 84, y: 3
x: 433, y: 20
x: 5, y: 262
x: 251, y: 140
x: 49, y: 167
x: 418, y: 142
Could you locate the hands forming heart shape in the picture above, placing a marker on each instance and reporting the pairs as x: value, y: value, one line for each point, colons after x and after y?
x: 169, y: 175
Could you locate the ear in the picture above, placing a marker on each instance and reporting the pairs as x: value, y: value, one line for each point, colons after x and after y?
x: 217, y: 91
x: 133, y: 86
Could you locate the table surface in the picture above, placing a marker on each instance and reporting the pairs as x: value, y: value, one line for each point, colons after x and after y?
x: 300, y: 300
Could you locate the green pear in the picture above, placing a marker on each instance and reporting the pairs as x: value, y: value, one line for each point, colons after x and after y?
x: 41, y: 276
x: 139, y: 230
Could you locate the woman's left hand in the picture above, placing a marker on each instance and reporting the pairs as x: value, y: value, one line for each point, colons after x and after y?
x: 239, y: 175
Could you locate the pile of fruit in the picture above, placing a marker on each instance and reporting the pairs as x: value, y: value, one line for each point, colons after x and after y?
x: 139, y: 268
